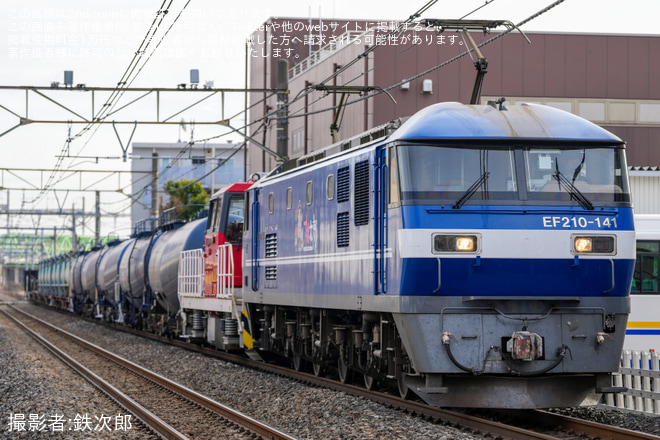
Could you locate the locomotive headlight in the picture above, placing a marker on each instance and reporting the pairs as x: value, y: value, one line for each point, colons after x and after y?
x: 582, y: 244
x: 466, y: 244
x: 594, y: 244
x: 455, y: 243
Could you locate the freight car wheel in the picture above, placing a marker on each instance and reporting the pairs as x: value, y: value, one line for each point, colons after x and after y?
x: 404, y: 391
x: 298, y: 362
x: 369, y: 382
x: 345, y: 373
x: 318, y: 369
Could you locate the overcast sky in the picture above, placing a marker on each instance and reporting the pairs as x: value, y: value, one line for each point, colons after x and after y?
x: 96, y: 40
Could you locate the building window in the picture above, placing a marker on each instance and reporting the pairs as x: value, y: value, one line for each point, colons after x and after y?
x: 198, y: 160
x: 298, y: 141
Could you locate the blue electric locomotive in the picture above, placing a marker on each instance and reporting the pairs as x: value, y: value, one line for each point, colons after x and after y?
x: 476, y: 255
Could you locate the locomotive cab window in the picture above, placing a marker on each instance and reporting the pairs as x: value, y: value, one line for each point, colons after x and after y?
x: 211, y: 217
x: 215, y: 208
x: 447, y: 173
x: 591, y: 174
x: 235, y: 216
x: 554, y: 173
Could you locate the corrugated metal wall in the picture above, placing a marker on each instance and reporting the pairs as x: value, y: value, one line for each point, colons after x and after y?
x: 645, y: 189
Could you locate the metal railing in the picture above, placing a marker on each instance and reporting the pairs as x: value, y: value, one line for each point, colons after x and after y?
x: 640, y: 373
x: 191, y: 273
x: 225, y: 257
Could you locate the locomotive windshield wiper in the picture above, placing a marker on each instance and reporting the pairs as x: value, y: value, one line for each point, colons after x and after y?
x: 471, y: 190
x: 570, y: 188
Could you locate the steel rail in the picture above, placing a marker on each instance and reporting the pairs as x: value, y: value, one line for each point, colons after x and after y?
x: 148, y: 418
x: 230, y: 414
x: 464, y: 420
x: 590, y: 429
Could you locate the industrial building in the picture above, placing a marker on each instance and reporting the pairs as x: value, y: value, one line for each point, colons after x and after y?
x: 608, y: 79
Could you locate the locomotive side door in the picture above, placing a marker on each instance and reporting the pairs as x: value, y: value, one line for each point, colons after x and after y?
x: 211, y: 247
x: 380, y: 220
x: 254, y: 240
x: 232, y: 225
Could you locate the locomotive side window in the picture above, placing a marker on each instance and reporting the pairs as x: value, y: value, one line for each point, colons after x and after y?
x: 310, y: 193
x: 235, y: 215
x: 330, y: 187
x: 394, y: 176
x: 646, y: 276
x: 289, y: 198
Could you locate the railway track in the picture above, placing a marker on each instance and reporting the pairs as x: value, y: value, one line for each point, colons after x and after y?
x: 544, y: 425
x: 171, y: 410
x: 547, y: 425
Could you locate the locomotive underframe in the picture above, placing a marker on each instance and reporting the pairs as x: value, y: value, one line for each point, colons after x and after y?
x: 342, y: 342
x: 582, y: 339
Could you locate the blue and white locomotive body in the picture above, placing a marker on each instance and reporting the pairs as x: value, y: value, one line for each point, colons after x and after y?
x: 476, y: 256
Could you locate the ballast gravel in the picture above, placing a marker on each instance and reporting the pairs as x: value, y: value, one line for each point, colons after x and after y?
x: 34, y: 382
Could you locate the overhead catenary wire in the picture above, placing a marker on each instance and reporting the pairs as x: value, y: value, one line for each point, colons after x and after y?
x: 400, y: 28
x: 404, y: 25
x: 397, y: 30
x: 439, y: 66
x: 134, y: 198
x: 409, y: 79
x: 115, y: 95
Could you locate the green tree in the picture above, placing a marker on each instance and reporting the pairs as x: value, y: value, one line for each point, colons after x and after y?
x: 188, y: 194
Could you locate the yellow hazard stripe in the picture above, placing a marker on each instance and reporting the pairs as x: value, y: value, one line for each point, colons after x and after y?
x: 646, y: 324
x: 248, y: 341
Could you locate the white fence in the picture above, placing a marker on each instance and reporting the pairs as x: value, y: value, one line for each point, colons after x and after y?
x: 640, y: 373
x: 191, y: 273
x: 225, y: 256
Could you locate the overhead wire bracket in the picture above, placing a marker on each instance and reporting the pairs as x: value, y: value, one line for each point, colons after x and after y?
x: 345, y: 90
x: 481, y: 64
x: 125, y: 149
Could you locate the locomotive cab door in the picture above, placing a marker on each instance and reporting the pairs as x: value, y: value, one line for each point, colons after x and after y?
x: 254, y: 240
x: 225, y: 225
